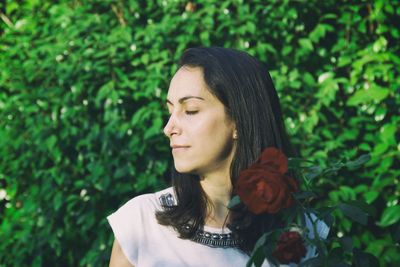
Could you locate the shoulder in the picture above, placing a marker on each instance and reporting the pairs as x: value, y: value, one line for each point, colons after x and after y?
x: 135, y: 221
x: 155, y: 200
x: 147, y: 202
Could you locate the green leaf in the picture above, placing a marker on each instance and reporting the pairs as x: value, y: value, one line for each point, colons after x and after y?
x: 234, y: 202
x: 390, y: 216
x: 308, y: 79
x: 104, y: 92
x: 257, y: 257
x: 344, y: 61
x: 258, y: 254
x: 354, y: 213
x: 320, y: 31
x: 304, y: 195
x: 313, y: 262
x: 347, y: 243
x: 313, y: 172
x: 261, y: 241
x: 368, y: 209
x: 51, y: 142
x: 359, y: 161
x: 364, y: 259
x: 306, y: 44
x: 380, y: 44
x: 294, y: 163
x: 205, y: 37
x: 145, y: 58
x: 370, y: 196
x: 396, y: 234
x: 325, y: 214
x: 286, y: 50
x: 374, y: 93
x: 326, y: 76
x: 388, y: 133
x: 329, y: 16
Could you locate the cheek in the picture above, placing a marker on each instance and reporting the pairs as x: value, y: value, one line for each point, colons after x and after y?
x: 215, y: 132
x: 209, y: 128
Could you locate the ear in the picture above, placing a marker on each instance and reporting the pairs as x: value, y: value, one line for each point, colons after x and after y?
x: 235, y: 135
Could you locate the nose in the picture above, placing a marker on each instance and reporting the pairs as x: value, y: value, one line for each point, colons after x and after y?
x: 171, y: 126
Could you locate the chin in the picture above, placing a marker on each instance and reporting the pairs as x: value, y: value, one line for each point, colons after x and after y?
x: 184, y: 169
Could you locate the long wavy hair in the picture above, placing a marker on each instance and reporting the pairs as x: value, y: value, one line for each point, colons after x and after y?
x: 245, y: 88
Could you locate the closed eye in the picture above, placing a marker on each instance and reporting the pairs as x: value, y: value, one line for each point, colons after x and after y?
x: 191, y: 112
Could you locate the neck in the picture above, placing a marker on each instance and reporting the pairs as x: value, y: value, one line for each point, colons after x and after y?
x: 218, y: 190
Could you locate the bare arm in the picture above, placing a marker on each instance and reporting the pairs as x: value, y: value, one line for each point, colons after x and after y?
x: 118, y: 258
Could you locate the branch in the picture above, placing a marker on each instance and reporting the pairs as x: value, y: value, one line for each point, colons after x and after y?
x: 6, y: 20
x: 119, y: 14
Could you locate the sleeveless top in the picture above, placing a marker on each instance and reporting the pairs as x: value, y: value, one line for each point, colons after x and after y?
x: 146, y: 243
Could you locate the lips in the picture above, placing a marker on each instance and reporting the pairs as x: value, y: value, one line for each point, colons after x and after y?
x: 176, y: 148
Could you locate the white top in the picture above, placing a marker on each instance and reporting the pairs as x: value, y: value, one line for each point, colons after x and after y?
x: 146, y: 243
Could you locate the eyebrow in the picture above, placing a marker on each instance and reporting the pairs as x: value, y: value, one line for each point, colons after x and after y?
x: 183, y: 99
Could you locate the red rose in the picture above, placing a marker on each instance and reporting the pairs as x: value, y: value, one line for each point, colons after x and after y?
x: 263, y: 187
x: 262, y: 190
x: 274, y: 159
x: 290, y: 248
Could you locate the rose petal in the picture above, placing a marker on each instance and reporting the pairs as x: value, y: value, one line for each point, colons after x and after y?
x: 263, y: 191
x: 290, y: 248
x: 274, y: 159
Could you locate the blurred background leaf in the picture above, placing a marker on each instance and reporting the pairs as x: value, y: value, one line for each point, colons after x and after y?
x: 82, y: 89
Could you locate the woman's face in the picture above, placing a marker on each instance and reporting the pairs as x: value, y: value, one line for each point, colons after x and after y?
x: 200, y: 132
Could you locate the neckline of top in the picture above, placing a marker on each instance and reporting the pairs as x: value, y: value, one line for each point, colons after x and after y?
x: 221, y: 230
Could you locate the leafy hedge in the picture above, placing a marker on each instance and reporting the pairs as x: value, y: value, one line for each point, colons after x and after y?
x: 82, y: 91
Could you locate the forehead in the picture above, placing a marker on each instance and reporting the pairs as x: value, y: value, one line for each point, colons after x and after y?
x: 189, y: 81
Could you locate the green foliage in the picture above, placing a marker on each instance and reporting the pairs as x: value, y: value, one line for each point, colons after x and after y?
x: 82, y: 89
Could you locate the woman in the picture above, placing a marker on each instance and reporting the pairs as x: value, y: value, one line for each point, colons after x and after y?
x: 223, y: 111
